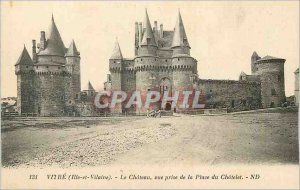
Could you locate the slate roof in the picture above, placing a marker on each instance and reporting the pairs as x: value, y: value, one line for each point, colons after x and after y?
x: 54, y: 43
x: 269, y: 58
x: 166, y: 41
x: 117, y: 54
x: 72, y: 50
x: 148, y: 36
x: 180, y: 38
x: 24, y: 58
x: 90, y: 87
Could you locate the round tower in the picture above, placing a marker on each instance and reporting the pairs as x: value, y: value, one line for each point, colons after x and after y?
x: 146, y: 64
x: 51, y: 74
x: 271, y: 71
x: 184, y: 66
x: 24, y: 69
x: 73, y: 66
x: 115, y: 68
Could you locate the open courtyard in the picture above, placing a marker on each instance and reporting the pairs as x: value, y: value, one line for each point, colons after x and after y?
x: 266, y: 137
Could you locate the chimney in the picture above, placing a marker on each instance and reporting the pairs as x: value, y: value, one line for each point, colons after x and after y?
x: 42, y: 40
x: 155, y: 25
x: 34, y: 51
x: 136, y: 34
x: 161, y: 32
x: 140, y: 32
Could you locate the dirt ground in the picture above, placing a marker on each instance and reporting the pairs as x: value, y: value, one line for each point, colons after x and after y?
x: 255, y: 138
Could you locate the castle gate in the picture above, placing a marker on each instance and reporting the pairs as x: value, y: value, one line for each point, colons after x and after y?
x: 165, y: 86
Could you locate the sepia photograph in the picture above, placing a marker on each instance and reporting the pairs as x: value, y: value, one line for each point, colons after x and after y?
x: 149, y: 95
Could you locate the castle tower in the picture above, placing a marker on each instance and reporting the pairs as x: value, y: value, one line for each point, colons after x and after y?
x: 24, y: 69
x: 271, y: 73
x: 145, y: 63
x: 51, y: 75
x: 148, y: 44
x: 254, y: 58
x: 73, y: 64
x: 184, y: 66
x: 180, y: 43
x: 115, y: 67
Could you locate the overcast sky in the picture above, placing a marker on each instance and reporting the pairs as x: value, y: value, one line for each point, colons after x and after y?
x: 222, y: 35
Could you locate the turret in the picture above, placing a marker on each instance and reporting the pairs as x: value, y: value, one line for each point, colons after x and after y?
x: 184, y: 66
x: 180, y: 44
x: 50, y: 66
x: 115, y: 67
x: 148, y: 44
x: 54, y: 44
x: 271, y: 73
x: 73, y: 66
x: 254, y: 58
x: 24, y: 69
x: 147, y: 59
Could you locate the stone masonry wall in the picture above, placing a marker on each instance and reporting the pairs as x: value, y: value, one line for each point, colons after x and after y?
x: 234, y: 95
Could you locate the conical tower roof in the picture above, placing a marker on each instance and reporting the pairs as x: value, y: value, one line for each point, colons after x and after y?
x: 90, y: 87
x: 180, y: 38
x: 254, y: 54
x: 148, y: 36
x: 24, y: 58
x: 72, y: 50
x: 54, y: 44
x: 117, y: 54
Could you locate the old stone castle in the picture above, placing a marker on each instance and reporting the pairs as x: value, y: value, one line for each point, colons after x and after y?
x: 49, y: 82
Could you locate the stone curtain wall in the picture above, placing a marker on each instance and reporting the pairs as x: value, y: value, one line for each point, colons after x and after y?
x: 234, y: 95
